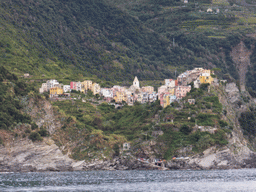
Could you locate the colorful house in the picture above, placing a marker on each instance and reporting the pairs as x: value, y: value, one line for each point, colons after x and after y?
x: 181, y: 91
x: 162, y: 89
x: 166, y: 100
x: 55, y: 91
x: 86, y: 85
x: 120, y: 97
x: 73, y: 85
x: 95, y: 88
x: 161, y: 98
x: 206, y: 79
x: 171, y: 90
x: 148, y: 89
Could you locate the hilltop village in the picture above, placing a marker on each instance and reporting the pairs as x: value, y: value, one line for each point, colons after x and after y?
x: 171, y: 91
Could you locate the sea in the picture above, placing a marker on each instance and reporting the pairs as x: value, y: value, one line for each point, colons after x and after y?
x: 153, y: 180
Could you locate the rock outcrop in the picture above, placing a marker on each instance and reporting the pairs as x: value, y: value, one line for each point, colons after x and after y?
x: 24, y: 155
x: 241, y: 57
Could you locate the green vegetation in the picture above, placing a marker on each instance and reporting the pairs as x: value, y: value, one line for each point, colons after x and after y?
x: 88, y: 122
x: 12, y: 92
x: 35, y: 136
x: 247, y: 121
x: 110, y: 41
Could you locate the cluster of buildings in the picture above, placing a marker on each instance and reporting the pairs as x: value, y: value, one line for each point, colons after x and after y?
x: 176, y: 89
x: 168, y: 93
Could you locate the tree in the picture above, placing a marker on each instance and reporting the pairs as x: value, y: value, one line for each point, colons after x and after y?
x: 185, y: 129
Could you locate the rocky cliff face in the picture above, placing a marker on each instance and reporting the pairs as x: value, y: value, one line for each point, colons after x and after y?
x: 42, y: 113
x: 241, y: 57
x: 24, y: 155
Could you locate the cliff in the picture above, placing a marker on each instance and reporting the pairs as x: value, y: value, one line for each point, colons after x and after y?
x: 237, y: 153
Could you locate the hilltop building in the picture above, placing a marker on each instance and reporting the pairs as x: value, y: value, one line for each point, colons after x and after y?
x: 95, y: 88
x: 181, y: 91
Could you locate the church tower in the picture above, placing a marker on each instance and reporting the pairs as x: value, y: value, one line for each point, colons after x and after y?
x: 136, y: 82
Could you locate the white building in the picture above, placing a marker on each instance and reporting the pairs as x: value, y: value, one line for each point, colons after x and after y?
x: 52, y: 83
x: 170, y: 83
x: 197, y: 83
x: 152, y: 97
x: 66, y: 88
x: 107, y: 93
x: 78, y: 86
x: 43, y: 88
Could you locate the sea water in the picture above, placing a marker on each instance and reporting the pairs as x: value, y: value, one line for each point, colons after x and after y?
x: 188, y: 180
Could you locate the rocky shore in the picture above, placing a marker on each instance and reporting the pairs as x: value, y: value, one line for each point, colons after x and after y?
x: 26, y: 156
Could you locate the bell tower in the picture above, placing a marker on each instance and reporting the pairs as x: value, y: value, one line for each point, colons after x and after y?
x: 136, y: 82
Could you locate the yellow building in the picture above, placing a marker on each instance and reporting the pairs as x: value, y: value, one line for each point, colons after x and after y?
x: 120, y: 96
x: 56, y: 91
x: 171, y: 90
x: 86, y: 85
x: 206, y: 79
x: 95, y: 88
x: 166, y: 100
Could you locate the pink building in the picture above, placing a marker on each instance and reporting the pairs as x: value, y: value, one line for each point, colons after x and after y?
x: 162, y: 89
x: 73, y: 85
x: 161, y: 98
x: 181, y: 91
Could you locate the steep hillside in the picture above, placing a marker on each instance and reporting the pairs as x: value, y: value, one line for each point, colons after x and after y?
x: 115, y: 40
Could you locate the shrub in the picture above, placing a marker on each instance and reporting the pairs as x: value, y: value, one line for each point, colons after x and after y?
x: 34, y: 136
x: 43, y: 132
x: 204, y: 86
x: 223, y: 123
x: 34, y: 126
x: 205, y: 142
